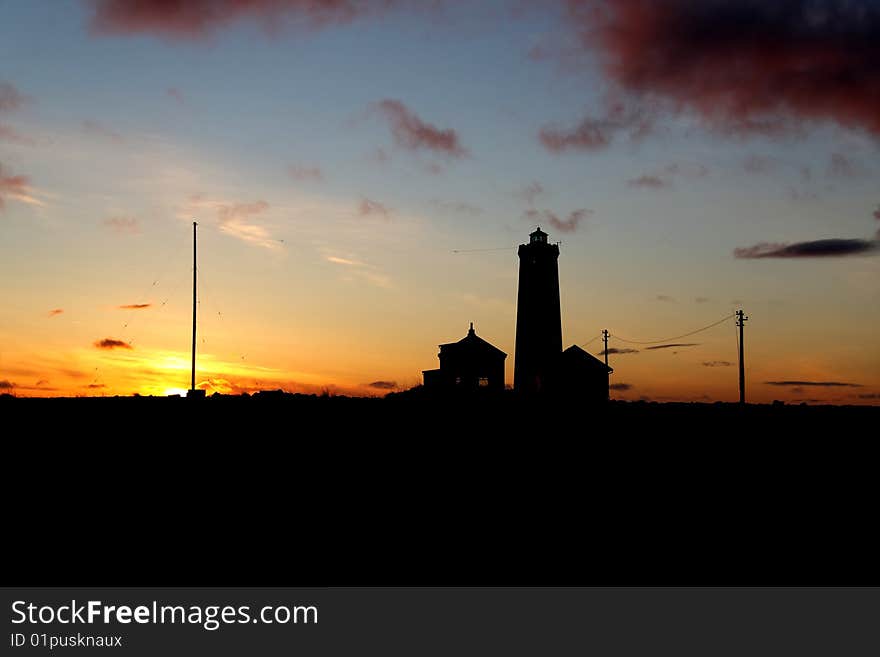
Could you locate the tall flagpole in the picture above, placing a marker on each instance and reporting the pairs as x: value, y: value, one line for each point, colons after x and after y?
x: 192, y: 386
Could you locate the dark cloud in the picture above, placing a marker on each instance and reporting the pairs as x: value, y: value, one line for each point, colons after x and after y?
x: 303, y: 173
x: 615, y: 350
x: 123, y: 225
x: 876, y: 213
x: 674, y: 344
x: 870, y: 395
x: 663, y: 297
x: 819, y: 384
x: 94, y: 386
x: 12, y: 187
x: 195, y: 19
x: 595, y: 133
x: 383, y: 385
x: 96, y: 129
x: 717, y: 363
x: 412, y: 133
x: 746, y: 66
x: 621, y: 386
x: 55, y: 311
x: 828, y: 248
x: 701, y: 299
x: 370, y: 207
x: 135, y: 306
x: 649, y: 182
x: 6, y: 385
x: 567, y: 225
x: 112, y: 343
x: 176, y: 94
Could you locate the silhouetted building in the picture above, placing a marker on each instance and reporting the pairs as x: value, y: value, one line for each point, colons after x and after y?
x: 538, y: 317
x: 470, y: 364
x: 579, y: 375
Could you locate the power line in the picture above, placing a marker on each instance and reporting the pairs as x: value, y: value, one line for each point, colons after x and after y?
x: 676, y: 337
x: 502, y: 248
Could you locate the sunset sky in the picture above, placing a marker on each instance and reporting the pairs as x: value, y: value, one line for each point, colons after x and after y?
x: 362, y: 172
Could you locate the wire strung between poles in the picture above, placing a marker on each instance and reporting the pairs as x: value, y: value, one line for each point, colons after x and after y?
x: 677, y: 337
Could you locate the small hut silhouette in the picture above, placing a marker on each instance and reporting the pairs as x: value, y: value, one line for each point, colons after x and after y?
x: 470, y: 364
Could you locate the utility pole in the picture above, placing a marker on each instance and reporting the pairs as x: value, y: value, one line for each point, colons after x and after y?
x: 605, y: 340
x: 740, y: 321
x: 193, y: 377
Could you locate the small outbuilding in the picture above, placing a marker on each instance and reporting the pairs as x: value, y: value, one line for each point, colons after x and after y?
x: 471, y: 364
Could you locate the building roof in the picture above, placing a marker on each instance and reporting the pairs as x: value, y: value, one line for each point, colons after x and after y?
x: 575, y: 354
x: 475, y: 342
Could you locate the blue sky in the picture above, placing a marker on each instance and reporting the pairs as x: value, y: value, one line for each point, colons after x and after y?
x: 109, y: 139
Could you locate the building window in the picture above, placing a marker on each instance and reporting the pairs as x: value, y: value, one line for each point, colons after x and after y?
x: 484, y: 382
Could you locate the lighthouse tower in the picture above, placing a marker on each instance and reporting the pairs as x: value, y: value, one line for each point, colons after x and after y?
x: 538, y: 316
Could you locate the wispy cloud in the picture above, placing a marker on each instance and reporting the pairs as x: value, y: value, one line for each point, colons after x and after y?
x: 135, y: 306
x: 412, y: 133
x: 238, y: 220
x: 717, y: 363
x: 358, y: 269
x: 596, y: 132
x: 368, y: 207
x: 175, y: 94
x: 530, y: 192
x: 123, y: 225
x: 196, y: 19
x: 55, y: 312
x: 96, y: 129
x: 818, y: 384
x: 673, y: 345
x: 10, y: 98
x: 112, y: 343
x: 17, y: 188
x: 621, y: 386
x: 13, y: 136
x: 459, y: 207
x: 568, y: 225
x: 649, y: 181
x: 665, y: 298
x: 305, y: 173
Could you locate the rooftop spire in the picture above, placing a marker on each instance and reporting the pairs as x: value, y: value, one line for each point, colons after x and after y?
x: 471, y: 329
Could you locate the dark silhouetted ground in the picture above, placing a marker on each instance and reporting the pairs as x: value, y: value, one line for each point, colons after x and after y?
x: 283, y: 489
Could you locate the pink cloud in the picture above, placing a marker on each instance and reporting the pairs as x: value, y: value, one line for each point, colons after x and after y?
x: 194, y: 19
x: 17, y: 187
x: 568, y: 225
x: 370, y: 207
x: 743, y: 67
x: 412, y: 133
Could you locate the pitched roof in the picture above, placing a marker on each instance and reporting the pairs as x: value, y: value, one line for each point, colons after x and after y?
x: 576, y: 354
x: 473, y: 341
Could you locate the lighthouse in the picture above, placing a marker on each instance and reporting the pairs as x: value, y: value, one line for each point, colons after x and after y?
x: 538, y: 315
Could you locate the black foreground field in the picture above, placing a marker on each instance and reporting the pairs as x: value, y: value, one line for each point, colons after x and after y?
x: 302, y: 490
